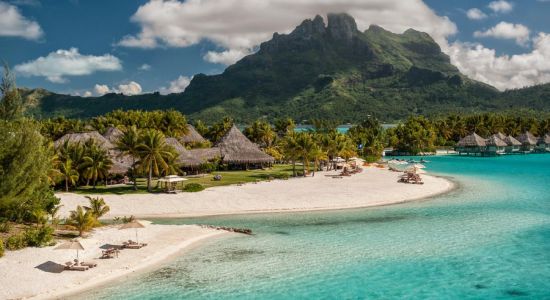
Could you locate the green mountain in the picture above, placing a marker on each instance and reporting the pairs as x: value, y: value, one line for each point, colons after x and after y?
x: 331, y: 71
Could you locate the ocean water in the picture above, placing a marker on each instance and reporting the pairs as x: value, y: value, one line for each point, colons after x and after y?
x: 488, y: 239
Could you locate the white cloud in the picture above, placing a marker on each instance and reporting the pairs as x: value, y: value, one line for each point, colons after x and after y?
x: 101, y: 89
x: 501, y: 6
x: 504, y: 72
x: 227, y: 57
x: 12, y: 23
x: 129, y: 89
x: 56, y: 65
x: 176, y: 86
x: 238, y: 26
x: 475, y: 14
x: 145, y: 67
x: 504, y: 30
x: 87, y: 94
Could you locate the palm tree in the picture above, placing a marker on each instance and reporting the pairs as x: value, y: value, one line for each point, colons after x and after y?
x: 82, y: 219
x: 96, y: 164
x: 69, y: 172
x: 128, y: 144
x: 53, y: 215
x: 289, y: 149
x: 304, y: 148
x: 154, y: 154
x: 317, y: 154
x: 97, y: 207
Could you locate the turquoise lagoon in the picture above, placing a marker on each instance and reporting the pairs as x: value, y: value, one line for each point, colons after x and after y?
x: 488, y: 239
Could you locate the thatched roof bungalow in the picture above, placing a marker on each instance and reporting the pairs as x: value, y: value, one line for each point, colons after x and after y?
x: 499, y: 135
x: 512, y: 145
x: 528, y: 141
x: 494, y: 145
x: 237, y: 149
x: 192, y: 136
x: 471, y: 144
x: 121, y: 164
x: 206, y: 154
x: 185, y: 158
x: 543, y: 144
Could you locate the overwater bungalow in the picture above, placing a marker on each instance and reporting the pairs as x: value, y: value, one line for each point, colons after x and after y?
x: 512, y: 145
x: 528, y: 142
x: 495, y: 145
x: 472, y: 144
x: 543, y: 144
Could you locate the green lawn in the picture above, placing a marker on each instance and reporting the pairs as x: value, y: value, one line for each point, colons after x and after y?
x: 228, y: 178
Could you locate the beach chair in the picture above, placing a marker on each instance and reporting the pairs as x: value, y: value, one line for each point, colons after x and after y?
x: 74, y: 267
x: 88, y: 264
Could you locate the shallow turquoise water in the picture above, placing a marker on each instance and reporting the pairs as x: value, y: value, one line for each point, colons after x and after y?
x: 489, y: 239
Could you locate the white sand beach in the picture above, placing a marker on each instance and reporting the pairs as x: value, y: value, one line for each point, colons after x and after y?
x: 372, y: 187
x: 37, y: 273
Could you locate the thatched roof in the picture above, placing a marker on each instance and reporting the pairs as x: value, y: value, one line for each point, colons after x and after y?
x: 82, y: 137
x: 121, y: 164
x: 472, y: 140
x: 192, y: 136
x: 544, y: 139
x: 511, y: 141
x: 527, y: 138
x: 113, y: 134
x: 495, y: 141
x: 184, y: 156
x: 206, y: 154
x: 236, y: 148
x: 500, y: 135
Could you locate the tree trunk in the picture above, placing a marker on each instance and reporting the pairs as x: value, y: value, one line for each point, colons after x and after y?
x: 304, y: 167
x: 134, y: 173
x: 67, y: 184
x: 149, y: 176
x: 293, y: 168
x: 94, y: 182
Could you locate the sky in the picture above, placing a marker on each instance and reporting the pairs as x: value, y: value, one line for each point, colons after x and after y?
x: 92, y: 47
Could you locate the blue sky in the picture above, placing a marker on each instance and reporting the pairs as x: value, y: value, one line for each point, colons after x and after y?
x: 151, y: 45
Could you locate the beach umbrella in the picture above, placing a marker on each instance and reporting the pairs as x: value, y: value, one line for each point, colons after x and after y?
x: 72, y: 244
x: 134, y: 224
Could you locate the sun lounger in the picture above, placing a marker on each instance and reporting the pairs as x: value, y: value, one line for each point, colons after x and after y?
x: 133, y: 245
x: 88, y: 264
x: 73, y: 267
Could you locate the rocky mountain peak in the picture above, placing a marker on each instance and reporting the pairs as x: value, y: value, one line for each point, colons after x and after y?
x: 341, y: 26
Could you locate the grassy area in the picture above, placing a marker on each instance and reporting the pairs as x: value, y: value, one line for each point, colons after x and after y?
x: 228, y: 178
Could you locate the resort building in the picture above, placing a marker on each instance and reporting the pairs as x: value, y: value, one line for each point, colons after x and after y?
x: 472, y: 144
x: 543, y: 144
x: 512, y: 145
x: 528, y: 142
x: 193, y: 137
x: 237, y: 151
x: 121, y: 163
x: 185, y: 158
x: 495, y: 145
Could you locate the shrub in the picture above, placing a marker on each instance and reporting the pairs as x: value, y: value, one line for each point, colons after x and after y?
x: 1, y: 248
x: 193, y: 187
x: 5, y: 227
x: 39, y: 237
x: 16, y: 242
x: 283, y: 176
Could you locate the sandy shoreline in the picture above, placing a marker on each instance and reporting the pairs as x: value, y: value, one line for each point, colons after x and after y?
x: 35, y: 273
x: 373, y: 187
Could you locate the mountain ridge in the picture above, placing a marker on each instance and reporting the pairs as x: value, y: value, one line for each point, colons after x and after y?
x: 319, y: 70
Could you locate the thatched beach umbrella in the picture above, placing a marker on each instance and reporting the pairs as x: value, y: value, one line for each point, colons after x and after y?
x: 72, y: 244
x: 133, y: 224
